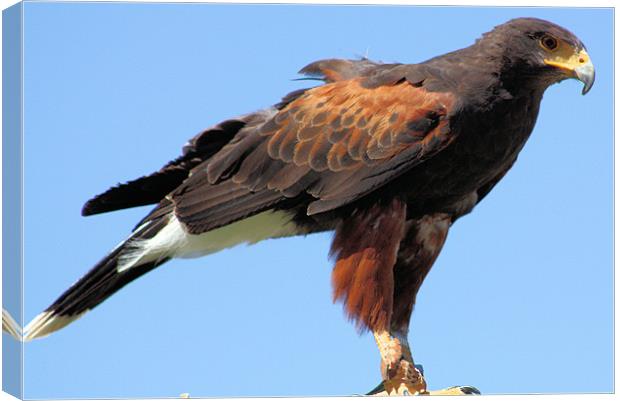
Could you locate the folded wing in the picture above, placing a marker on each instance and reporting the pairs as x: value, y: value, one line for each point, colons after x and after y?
x: 330, y: 146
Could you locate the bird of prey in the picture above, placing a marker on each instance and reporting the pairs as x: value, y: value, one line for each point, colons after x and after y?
x: 388, y: 156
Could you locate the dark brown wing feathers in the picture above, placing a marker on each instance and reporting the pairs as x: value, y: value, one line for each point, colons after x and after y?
x: 201, y: 211
x: 336, y: 142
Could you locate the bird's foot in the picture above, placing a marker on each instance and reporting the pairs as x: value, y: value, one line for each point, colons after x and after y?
x: 404, y: 379
x: 400, y: 375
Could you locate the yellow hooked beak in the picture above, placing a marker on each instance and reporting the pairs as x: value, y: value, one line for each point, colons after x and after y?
x: 575, y: 65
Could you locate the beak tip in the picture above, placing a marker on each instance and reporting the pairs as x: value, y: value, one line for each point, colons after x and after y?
x: 586, y: 88
x: 586, y: 75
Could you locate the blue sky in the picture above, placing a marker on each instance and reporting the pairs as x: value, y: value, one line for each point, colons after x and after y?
x: 520, y: 300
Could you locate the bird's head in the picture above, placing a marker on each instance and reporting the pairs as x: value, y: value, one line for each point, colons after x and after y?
x: 542, y: 51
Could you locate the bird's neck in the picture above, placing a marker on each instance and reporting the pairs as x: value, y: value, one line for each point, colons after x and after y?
x: 485, y: 68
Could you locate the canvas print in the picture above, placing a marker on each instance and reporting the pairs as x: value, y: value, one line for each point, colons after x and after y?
x: 426, y: 193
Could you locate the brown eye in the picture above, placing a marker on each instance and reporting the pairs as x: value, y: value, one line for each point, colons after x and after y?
x: 549, y: 42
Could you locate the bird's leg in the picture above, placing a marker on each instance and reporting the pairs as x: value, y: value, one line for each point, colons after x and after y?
x: 400, y: 376
x: 418, y: 250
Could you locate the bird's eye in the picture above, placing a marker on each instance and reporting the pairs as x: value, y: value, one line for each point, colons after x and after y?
x: 549, y: 42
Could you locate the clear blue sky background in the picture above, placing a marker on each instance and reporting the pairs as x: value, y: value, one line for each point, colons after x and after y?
x: 520, y: 300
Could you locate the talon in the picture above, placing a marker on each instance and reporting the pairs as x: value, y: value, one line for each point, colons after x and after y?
x: 470, y: 390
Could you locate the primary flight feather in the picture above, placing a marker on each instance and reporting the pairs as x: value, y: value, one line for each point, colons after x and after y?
x: 388, y: 156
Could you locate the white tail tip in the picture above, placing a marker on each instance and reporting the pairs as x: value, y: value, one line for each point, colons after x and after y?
x: 45, y: 324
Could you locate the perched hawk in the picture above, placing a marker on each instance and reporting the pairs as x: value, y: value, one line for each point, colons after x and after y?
x: 388, y: 156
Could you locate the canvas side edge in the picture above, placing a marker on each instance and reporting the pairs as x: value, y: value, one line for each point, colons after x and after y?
x: 12, y: 190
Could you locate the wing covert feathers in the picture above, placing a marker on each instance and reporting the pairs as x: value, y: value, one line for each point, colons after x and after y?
x: 343, y: 140
x: 335, y: 142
